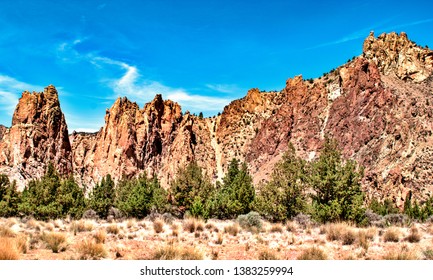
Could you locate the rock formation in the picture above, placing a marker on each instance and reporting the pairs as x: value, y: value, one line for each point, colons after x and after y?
x: 378, y: 107
x: 38, y: 135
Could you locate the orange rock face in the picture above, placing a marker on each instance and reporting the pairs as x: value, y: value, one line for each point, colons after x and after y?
x: 378, y: 107
x: 38, y: 135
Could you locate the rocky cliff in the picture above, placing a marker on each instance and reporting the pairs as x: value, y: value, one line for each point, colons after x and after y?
x: 38, y: 135
x: 378, y: 107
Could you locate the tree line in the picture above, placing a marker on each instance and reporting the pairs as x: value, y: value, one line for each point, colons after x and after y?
x: 327, y: 188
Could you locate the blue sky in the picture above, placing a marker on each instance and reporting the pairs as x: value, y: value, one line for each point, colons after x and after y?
x: 202, y: 54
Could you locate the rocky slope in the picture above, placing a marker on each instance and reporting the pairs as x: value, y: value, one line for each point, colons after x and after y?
x: 378, y: 107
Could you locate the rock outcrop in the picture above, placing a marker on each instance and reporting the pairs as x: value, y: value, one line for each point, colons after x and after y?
x: 379, y: 108
x: 38, y: 135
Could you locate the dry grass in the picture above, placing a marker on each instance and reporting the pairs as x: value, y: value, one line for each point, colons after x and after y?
x: 363, y: 240
x: 232, y: 229
x: 158, y: 226
x: 5, y: 231
x: 33, y: 224
x: 192, y: 225
x: 112, y: 229
x: 21, y: 243
x: 172, y: 252
x: 100, y: 236
x: 400, y: 254
x: 276, y: 228
x: 414, y: 235
x: 291, y: 226
x: 219, y: 239
x: 55, y: 241
x: 312, y: 253
x: 89, y: 250
x: 81, y: 226
x: 8, y: 250
x: 267, y: 254
x: 131, y: 223
x: 391, y: 235
x: 348, y: 237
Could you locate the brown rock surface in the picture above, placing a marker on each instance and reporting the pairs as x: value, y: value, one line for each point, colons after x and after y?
x: 38, y: 135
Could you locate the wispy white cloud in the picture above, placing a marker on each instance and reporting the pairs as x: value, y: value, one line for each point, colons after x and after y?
x: 224, y: 88
x: 10, y: 92
x: 137, y: 88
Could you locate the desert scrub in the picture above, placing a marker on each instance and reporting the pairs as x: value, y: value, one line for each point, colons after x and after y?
x: 192, y: 224
x: 337, y: 231
x: 276, y: 228
x: 158, y: 226
x: 172, y: 252
x: 219, y: 239
x: 100, y: 236
x: 5, y: 231
x: 414, y: 235
x: 400, y: 254
x: 8, y: 249
x: 348, y: 237
x: 81, y: 226
x: 267, y: 254
x: 55, y: 241
x: 89, y: 250
x: 312, y: 253
x: 391, y: 235
x: 251, y: 221
x: 232, y: 229
x: 112, y: 229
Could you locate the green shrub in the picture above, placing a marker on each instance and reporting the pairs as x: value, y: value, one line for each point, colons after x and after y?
x: 251, y: 220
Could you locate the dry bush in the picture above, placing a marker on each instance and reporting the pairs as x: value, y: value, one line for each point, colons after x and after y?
x: 312, y: 253
x: 49, y: 226
x: 414, y: 235
x: 191, y: 225
x: 363, y: 240
x: 8, y: 250
x: 232, y: 229
x: 6, y: 231
x: 158, y: 225
x: 21, y: 243
x: 391, y: 235
x: 219, y: 239
x: 210, y: 226
x: 348, y: 237
x: 81, y: 226
x: 370, y: 233
x: 100, y: 236
x: 267, y: 254
x: 55, y: 241
x: 131, y: 223
x: 172, y: 252
x: 428, y: 254
x: 276, y: 228
x: 291, y: 226
x: 33, y: 224
x: 89, y: 250
x: 112, y: 229
x: 335, y: 232
x: 400, y: 254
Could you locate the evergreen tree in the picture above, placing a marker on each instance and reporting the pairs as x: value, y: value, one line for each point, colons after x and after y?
x: 39, y: 197
x: 336, y: 185
x: 9, y: 197
x: 284, y: 195
x: 191, y: 187
x: 71, y: 198
x: 236, y: 194
x: 102, y: 197
x: 138, y: 197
